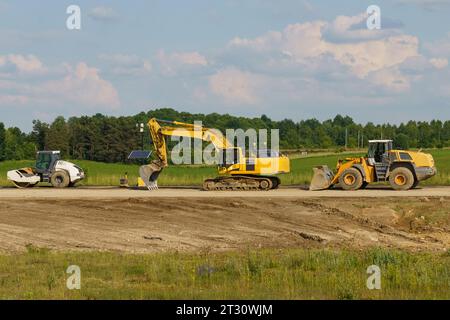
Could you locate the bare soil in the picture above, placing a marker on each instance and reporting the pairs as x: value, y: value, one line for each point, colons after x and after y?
x: 194, y: 221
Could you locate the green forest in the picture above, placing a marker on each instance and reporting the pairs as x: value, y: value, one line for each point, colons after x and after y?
x: 110, y: 139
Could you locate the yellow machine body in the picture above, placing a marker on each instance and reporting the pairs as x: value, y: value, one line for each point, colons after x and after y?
x: 403, y: 169
x: 236, y: 171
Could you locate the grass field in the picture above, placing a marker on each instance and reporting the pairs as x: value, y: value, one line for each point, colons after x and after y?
x: 301, y: 171
x: 262, y: 274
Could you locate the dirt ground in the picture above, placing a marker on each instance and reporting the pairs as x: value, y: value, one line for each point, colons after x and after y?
x: 190, y: 220
x: 186, y: 192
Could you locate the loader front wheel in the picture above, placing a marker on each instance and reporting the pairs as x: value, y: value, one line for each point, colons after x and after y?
x: 60, y: 179
x: 401, y: 179
x: 351, y: 179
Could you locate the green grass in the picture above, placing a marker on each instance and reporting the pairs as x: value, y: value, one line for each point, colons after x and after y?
x: 262, y: 274
x: 103, y: 174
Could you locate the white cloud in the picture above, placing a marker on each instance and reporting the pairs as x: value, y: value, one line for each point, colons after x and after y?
x: 354, y: 29
x: 103, y: 13
x: 392, y: 79
x: 439, y: 63
x: 304, y: 65
x: 14, y: 64
x: 13, y: 100
x: 175, y: 62
x: 439, y: 48
x: 235, y: 86
x: 303, y: 42
x: 81, y: 86
x: 126, y: 64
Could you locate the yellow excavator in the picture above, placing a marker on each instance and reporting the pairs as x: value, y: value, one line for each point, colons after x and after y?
x: 403, y: 169
x: 236, y: 171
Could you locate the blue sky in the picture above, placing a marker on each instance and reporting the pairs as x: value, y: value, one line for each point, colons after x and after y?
x: 287, y: 59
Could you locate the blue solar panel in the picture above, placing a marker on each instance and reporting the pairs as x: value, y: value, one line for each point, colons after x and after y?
x: 139, y: 154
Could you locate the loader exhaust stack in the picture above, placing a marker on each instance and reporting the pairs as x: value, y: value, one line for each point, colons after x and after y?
x: 322, y: 178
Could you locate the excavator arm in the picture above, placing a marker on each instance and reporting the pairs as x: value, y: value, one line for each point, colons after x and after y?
x: 159, y: 130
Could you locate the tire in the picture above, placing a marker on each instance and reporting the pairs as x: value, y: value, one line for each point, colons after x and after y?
x: 351, y: 179
x: 60, y: 179
x: 416, y: 184
x: 265, y: 184
x: 401, y: 178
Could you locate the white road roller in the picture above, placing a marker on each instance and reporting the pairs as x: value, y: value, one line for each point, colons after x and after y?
x: 49, y: 168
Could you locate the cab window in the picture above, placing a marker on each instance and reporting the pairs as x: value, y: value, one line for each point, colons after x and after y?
x: 405, y: 156
x: 230, y: 157
x: 393, y: 156
x: 43, y: 161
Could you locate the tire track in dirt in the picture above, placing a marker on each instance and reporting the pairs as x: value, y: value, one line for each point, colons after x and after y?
x: 194, y: 224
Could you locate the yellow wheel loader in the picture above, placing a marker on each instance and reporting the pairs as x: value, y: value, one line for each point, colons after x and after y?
x: 236, y: 171
x: 402, y: 169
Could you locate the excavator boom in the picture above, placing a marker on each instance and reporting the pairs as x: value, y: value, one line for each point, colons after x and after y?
x: 159, y: 129
x: 241, y: 174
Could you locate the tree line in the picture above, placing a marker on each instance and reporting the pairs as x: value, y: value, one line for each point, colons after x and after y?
x: 110, y: 139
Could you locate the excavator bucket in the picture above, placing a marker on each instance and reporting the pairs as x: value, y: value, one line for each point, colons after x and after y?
x: 322, y: 179
x: 149, y: 174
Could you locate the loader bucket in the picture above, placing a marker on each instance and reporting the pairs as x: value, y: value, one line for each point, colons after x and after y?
x: 322, y: 178
x: 149, y: 174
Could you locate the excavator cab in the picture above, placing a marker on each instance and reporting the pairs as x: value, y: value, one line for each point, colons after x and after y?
x: 237, y: 171
x: 230, y: 157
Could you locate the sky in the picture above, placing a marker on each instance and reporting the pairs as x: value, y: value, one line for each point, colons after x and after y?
x: 292, y: 59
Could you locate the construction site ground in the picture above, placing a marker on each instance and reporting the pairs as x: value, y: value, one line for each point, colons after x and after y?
x: 191, y: 220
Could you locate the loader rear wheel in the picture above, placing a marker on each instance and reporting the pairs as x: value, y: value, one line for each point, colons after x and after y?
x: 60, y: 179
x: 401, y: 179
x: 351, y: 179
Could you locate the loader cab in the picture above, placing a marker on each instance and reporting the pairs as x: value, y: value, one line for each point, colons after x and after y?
x: 46, y: 160
x: 379, y: 151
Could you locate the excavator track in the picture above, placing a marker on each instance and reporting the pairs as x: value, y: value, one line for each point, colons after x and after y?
x: 241, y: 183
